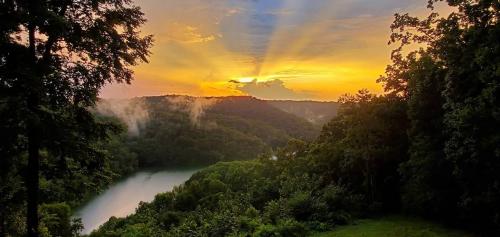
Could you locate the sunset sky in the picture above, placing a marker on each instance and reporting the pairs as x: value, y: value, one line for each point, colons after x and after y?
x: 271, y: 49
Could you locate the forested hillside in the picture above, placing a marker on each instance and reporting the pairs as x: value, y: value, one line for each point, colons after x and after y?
x: 182, y: 130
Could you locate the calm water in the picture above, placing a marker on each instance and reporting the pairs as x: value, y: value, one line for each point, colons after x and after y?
x: 122, y: 198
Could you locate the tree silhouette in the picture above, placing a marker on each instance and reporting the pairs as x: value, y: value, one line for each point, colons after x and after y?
x: 55, y: 55
x: 452, y: 87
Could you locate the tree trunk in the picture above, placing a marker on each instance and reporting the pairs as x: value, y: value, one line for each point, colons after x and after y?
x: 33, y: 101
x: 2, y: 224
x: 33, y: 181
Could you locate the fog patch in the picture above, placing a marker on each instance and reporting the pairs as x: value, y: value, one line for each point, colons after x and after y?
x: 132, y: 112
x: 194, y: 106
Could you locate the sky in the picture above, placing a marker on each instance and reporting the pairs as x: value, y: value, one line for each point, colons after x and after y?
x: 270, y: 49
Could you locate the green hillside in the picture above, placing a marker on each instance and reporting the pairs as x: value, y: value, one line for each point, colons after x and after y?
x: 183, y: 130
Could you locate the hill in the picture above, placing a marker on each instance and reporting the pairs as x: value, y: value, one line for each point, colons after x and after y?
x: 264, y: 111
x: 184, y: 130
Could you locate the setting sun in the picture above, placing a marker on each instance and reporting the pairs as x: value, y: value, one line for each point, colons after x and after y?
x: 318, y: 49
x: 245, y: 79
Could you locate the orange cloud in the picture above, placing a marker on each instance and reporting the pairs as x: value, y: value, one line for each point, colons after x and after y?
x: 300, y: 49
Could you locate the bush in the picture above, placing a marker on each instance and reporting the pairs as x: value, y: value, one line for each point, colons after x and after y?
x: 169, y: 218
x: 300, y: 205
x: 285, y: 228
x: 275, y: 211
x: 55, y: 220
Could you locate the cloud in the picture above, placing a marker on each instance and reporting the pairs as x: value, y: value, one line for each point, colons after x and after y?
x: 272, y: 89
x: 184, y: 33
x: 202, y: 44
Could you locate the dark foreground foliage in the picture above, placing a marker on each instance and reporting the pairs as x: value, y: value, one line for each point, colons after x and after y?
x: 55, y: 56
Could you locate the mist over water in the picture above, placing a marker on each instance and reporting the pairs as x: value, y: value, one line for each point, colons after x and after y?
x: 122, y: 198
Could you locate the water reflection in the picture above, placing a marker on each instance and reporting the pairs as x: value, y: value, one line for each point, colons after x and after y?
x: 122, y: 198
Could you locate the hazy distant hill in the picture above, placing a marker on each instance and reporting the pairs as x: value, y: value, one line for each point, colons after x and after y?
x: 173, y: 129
x: 315, y: 112
x: 260, y: 110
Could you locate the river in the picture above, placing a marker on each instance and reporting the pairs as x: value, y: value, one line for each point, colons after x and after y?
x: 122, y: 198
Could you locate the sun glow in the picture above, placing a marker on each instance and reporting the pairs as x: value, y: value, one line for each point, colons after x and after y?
x: 321, y: 49
x: 246, y: 79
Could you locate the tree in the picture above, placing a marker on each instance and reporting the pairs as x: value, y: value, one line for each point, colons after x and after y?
x: 55, y: 55
x: 428, y: 186
x: 465, y: 50
x: 362, y: 147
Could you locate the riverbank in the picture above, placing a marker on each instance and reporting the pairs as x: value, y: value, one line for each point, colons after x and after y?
x: 123, y: 197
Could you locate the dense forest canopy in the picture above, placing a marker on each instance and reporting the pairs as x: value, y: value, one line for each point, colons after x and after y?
x: 183, y: 130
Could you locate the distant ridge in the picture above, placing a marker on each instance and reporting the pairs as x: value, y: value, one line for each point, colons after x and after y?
x: 316, y: 112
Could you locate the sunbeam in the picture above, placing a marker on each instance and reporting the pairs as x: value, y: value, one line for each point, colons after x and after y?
x: 324, y: 47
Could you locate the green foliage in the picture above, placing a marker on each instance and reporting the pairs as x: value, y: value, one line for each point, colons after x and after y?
x: 262, y: 111
x: 55, y: 220
x: 253, y: 198
x: 427, y: 190
x: 283, y: 228
x: 452, y: 89
x: 394, y: 226
x: 362, y: 148
x: 232, y: 128
x: 55, y: 56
